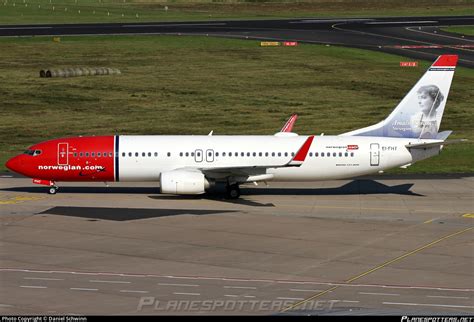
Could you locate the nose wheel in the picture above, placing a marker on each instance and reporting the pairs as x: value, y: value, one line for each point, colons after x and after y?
x: 233, y: 191
x: 52, y: 190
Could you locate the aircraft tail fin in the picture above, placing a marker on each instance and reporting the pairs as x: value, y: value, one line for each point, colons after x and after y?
x: 419, y: 113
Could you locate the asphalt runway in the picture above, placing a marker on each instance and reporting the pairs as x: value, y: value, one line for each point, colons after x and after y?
x: 416, y: 37
x: 382, y: 245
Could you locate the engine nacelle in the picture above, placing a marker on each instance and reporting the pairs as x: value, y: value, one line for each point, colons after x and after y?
x: 182, y: 182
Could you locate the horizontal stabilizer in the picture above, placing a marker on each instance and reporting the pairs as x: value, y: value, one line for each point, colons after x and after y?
x: 433, y: 144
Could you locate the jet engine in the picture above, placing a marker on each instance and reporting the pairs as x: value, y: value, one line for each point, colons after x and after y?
x: 182, y: 182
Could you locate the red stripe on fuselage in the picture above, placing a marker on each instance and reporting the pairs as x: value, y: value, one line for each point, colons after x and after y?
x: 89, y: 159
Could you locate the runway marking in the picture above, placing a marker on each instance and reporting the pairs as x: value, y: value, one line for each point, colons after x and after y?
x: 113, y: 282
x: 347, y: 301
x: 235, y: 279
x: 398, y: 22
x: 468, y: 215
x: 448, y: 297
x: 83, y: 289
x: 32, y: 286
x: 20, y: 28
x: 230, y: 295
x: 427, y: 304
x: 439, y: 35
x: 250, y: 296
x: 43, y: 278
x: 184, y: 285
x: 242, y: 287
x: 176, y: 25
x: 6, y: 176
x: 381, y: 294
x: 429, y: 221
x: 133, y: 291
x: 191, y: 294
x: 290, y: 298
x: 300, y: 290
x: 6, y: 305
x: 396, y: 259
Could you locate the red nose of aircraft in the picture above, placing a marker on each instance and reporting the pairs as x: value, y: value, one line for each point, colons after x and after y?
x: 14, y: 164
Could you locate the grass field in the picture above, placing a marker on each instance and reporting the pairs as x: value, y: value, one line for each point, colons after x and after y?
x: 75, y: 11
x: 464, y: 30
x: 192, y: 85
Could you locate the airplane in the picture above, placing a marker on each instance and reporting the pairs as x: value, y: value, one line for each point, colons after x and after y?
x: 192, y: 164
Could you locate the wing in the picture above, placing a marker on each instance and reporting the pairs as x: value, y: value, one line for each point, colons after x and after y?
x: 257, y: 172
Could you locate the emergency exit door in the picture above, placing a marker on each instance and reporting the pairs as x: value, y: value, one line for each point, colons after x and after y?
x: 374, y: 154
x: 63, y: 157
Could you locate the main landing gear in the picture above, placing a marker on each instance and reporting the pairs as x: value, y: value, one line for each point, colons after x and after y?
x: 233, y: 191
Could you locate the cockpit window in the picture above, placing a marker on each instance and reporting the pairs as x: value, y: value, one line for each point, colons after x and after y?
x: 32, y: 152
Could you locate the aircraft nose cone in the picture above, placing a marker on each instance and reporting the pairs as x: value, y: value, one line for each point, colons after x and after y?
x: 14, y: 164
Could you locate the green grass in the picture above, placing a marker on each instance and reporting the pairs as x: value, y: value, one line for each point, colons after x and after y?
x: 76, y: 11
x: 192, y: 85
x: 464, y: 30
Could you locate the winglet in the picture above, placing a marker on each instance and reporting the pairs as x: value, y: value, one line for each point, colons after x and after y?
x: 288, y: 127
x: 302, y: 152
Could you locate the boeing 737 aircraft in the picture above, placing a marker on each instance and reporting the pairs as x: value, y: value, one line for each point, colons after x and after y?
x: 192, y: 164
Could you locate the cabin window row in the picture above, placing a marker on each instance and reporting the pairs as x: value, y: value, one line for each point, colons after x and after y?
x: 241, y: 154
x: 93, y: 154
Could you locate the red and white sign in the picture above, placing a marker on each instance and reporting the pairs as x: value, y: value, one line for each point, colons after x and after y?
x: 353, y: 147
x: 290, y: 43
x: 408, y: 64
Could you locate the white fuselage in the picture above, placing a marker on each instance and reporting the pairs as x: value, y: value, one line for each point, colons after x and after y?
x: 144, y: 158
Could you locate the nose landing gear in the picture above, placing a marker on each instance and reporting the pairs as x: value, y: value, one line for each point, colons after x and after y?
x: 52, y: 190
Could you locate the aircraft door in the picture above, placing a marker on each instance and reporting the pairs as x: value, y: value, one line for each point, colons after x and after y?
x: 374, y: 154
x: 210, y: 155
x: 63, y: 157
x: 198, y: 156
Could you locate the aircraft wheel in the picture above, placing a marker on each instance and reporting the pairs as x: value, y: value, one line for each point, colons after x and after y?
x: 53, y: 190
x: 233, y: 191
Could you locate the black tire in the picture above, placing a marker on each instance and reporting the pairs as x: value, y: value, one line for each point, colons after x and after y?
x: 233, y: 191
x: 52, y: 190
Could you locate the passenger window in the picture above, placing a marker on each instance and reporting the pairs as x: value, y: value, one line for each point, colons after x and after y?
x: 286, y: 154
x: 129, y: 154
x: 260, y: 154
x: 180, y: 154
x: 311, y: 154
x: 156, y: 154
x: 136, y: 154
x: 123, y: 154
x: 254, y: 154
x: 340, y: 154
x: 322, y: 154
x: 99, y: 154
x: 316, y: 154
x: 273, y: 154
x: 143, y: 154
x: 266, y: 154
x: 93, y: 154
x: 187, y: 154
x: 149, y: 154
x: 352, y: 154
x: 192, y: 154
x: 80, y: 154
x: 279, y: 154
x: 334, y: 154
x: 75, y: 154
x: 87, y: 154
x: 217, y: 154
x: 169, y: 154
x: 223, y: 154
x: 248, y: 154
x: 292, y: 154
x: 346, y: 154
x: 242, y: 154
